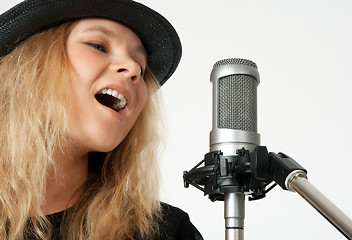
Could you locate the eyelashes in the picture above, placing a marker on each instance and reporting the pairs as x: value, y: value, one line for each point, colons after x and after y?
x: 102, y: 48
x: 142, y: 71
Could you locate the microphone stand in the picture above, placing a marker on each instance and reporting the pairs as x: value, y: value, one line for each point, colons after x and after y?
x: 298, y: 182
x: 234, y: 215
x: 230, y: 178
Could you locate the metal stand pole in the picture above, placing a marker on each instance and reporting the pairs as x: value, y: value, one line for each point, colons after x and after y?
x: 234, y: 215
x: 297, y: 182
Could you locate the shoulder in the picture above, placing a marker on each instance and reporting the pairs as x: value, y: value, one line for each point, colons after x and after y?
x: 177, y: 225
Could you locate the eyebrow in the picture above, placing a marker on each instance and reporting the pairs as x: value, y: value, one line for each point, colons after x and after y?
x: 100, y: 29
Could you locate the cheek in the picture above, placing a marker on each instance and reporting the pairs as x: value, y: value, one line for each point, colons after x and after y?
x: 139, y: 106
x: 83, y: 64
x: 143, y: 93
x: 79, y: 90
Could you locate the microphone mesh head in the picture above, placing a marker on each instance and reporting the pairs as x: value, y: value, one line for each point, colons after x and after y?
x: 234, y: 61
x: 237, y: 98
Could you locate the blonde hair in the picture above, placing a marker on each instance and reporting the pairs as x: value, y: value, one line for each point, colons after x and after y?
x: 121, y: 193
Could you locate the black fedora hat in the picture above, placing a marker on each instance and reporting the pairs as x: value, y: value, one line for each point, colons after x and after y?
x: 157, y: 34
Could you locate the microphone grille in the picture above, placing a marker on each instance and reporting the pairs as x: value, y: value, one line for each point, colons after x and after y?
x: 234, y: 61
x: 237, y: 98
x: 238, y: 103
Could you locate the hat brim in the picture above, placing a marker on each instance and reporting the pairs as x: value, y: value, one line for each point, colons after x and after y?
x: 156, y: 33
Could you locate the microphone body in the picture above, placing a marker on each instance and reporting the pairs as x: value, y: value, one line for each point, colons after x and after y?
x: 235, y: 84
x: 234, y: 127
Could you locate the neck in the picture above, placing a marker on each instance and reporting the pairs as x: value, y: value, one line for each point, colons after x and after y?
x: 63, y: 186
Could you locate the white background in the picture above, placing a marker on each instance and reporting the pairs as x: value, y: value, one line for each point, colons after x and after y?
x: 303, y: 52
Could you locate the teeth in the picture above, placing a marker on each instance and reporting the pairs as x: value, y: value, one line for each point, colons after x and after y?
x: 112, y: 92
x: 115, y: 93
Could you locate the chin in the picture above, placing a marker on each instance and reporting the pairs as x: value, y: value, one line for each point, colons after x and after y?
x: 100, y: 141
x: 106, y: 147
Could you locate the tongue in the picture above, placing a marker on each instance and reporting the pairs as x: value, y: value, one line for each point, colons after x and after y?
x: 107, y: 100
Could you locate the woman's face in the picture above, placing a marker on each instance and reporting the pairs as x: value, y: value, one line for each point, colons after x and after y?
x: 108, y: 91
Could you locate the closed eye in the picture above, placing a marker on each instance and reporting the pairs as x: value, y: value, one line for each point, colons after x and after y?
x: 100, y: 47
x: 142, y: 71
x: 142, y: 65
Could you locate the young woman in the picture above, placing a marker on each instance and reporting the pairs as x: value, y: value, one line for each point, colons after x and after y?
x: 80, y: 124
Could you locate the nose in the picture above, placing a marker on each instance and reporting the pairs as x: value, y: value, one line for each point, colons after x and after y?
x: 127, y: 67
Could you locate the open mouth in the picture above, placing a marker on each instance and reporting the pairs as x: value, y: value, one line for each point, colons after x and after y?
x: 111, y: 99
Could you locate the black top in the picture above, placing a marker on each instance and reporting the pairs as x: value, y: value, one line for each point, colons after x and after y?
x: 175, y: 225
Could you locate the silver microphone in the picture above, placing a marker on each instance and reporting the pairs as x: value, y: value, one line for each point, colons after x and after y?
x: 236, y: 165
x: 235, y: 84
x: 234, y: 127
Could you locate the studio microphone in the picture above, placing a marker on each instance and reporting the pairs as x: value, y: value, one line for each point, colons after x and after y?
x: 237, y: 165
x: 227, y: 172
x: 234, y: 127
